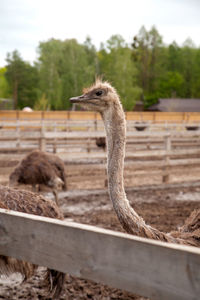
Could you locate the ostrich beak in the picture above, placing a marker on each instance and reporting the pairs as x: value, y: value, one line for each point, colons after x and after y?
x: 78, y: 99
x: 58, y: 181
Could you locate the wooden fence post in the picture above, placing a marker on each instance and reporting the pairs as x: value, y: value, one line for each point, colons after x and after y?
x: 42, y: 141
x: 88, y: 145
x: 67, y: 121
x: 89, y: 141
x: 95, y: 122
x: 55, y: 139
x: 106, y: 179
x: 167, y: 145
x: 18, y: 134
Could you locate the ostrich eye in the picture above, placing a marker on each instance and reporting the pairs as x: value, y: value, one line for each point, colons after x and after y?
x: 99, y: 93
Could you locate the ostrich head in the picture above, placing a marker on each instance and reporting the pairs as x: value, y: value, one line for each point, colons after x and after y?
x: 99, y: 97
x: 55, y: 182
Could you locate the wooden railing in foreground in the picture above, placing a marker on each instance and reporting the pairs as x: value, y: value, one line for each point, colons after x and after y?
x: 146, y: 267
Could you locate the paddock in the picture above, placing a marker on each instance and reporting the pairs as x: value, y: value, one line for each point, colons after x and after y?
x: 162, y: 170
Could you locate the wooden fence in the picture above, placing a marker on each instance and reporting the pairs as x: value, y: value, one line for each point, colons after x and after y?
x: 171, y: 148
x: 153, y: 117
x: 146, y: 267
x: 169, y: 143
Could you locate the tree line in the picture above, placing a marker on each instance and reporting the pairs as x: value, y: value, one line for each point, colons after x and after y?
x: 145, y: 70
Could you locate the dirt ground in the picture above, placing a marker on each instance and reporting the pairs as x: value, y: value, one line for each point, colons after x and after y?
x: 162, y: 206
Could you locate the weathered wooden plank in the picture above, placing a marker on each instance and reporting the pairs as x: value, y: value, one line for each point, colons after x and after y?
x: 159, y: 117
x: 142, y: 165
x: 48, y: 128
x: 150, y: 268
x: 139, y: 154
x: 33, y: 115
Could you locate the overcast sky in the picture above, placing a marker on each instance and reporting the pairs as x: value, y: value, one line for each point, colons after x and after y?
x: 24, y: 23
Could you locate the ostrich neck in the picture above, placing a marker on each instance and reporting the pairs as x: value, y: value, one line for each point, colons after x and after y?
x: 115, y: 126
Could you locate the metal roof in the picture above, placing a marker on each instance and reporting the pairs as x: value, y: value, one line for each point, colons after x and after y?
x: 176, y: 105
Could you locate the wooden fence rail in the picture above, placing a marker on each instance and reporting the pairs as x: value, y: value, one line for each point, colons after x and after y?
x: 162, y: 145
x: 153, y: 117
x: 146, y: 267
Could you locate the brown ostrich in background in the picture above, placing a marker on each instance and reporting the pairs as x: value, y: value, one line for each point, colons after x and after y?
x: 28, y: 202
x: 101, y: 142
x: 102, y: 97
x: 40, y: 168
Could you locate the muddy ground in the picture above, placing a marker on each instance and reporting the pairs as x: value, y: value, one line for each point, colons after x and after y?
x: 162, y: 206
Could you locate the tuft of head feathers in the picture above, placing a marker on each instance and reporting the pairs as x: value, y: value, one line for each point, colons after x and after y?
x: 99, y: 84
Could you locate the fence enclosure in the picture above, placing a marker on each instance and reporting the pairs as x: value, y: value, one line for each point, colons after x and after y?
x: 162, y: 139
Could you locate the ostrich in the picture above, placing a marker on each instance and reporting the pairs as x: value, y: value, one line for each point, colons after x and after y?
x: 102, y: 97
x: 28, y: 202
x: 39, y: 168
x: 101, y: 142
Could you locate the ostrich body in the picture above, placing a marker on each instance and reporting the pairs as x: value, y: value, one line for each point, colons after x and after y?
x: 39, y: 168
x: 28, y: 202
x: 102, y: 97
